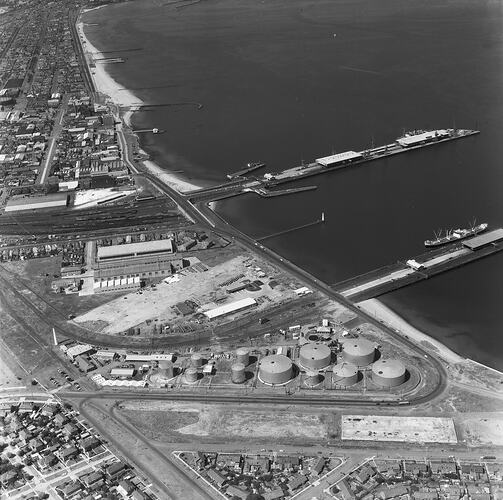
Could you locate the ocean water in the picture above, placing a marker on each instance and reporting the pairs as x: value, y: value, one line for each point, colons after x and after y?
x: 290, y: 81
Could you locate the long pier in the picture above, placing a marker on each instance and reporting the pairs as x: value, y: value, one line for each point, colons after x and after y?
x: 389, y: 278
x: 328, y: 164
x: 292, y: 229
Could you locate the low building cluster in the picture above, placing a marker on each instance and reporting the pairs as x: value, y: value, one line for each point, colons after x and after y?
x: 266, y: 476
x: 45, y: 440
x: 447, y: 479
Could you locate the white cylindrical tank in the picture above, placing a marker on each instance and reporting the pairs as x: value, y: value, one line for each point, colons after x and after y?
x: 345, y: 374
x: 166, y: 369
x: 191, y: 375
x: 359, y: 352
x: 315, y: 356
x: 275, y: 369
x: 313, y: 378
x: 243, y: 356
x: 238, y: 374
x: 388, y: 372
x: 196, y: 360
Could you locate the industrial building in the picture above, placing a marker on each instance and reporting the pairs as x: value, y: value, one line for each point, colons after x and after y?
x: 359, y: 352
x: 485, y: 239
x: 339, y: 159
x: 276, y: 369
x: 55, y: 200
x: 135, y: 249
x: 388, y: 372
x: 122, y: 372
x: 131, y: 357
x: 315, y: 356
x: 232, y: 307
x: 345, y: 374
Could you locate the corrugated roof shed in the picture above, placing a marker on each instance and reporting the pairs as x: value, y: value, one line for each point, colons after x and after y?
x: 131, y: 249
x: 484, y: 239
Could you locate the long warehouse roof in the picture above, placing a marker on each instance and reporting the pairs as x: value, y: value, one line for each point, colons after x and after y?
x: 144, y: 247
x: 408, y: 140
x: 347, y: 155
x: 230, y: 308
x: 484, y: 239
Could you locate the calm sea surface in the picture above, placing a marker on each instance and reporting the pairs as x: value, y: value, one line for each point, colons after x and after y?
x: 287, y: 81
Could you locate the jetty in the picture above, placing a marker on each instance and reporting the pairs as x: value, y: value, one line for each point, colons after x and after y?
x: 404, y: 273
x: 292, y: 229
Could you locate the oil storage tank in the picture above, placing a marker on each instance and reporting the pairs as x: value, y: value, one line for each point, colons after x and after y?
x: 315, y: 356
x: 388, y: 372
x: 191, y: 375
x: 238, y: 374
x: 196, y: 360
x: 243, y: 356
x: 345, y: 374
x: 166, y: 369
x: 275, y: 369
x: 313, y: 378
x: 359, y: 352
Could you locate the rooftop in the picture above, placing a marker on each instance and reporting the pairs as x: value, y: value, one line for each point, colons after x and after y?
x: 130, y: 249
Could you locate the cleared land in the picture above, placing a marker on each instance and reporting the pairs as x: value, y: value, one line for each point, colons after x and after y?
x: 483, y: 430
x: 407, y: 429
x: 206, y: 289
x: 165, y: 421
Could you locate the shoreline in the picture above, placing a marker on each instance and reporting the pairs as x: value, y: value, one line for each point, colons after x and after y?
x: 123, y: 97
x: 376, y: 308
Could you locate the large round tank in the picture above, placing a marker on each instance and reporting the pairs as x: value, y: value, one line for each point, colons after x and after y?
x: 313, y: 378
x: 359, y: 352
x: 315, y: 356
x: 275, y: 369
x: 238, y: 374
x: 388, y: 372
x: 166, y: 369
x: 243, y: 356
x: 191, y: 375
x: 345, y: 374
x: 196, y: 360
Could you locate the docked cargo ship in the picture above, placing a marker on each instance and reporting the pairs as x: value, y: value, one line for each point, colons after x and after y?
x: 455, y: 235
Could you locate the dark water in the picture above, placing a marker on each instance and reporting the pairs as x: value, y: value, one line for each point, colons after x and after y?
x: 285, y: 81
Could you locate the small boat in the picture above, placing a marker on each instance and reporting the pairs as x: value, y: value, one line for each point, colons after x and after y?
x: 455, y: 235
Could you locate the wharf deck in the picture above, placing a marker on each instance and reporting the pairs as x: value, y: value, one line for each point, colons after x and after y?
x: 392, y: 277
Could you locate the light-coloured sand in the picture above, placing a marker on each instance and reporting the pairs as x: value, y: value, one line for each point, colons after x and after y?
x: 405, y: 429
x: 389, y: 317
x: 482, y: 430
x: 126, y: 99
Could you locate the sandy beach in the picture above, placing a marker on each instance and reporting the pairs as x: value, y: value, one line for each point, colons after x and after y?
x: 124, y: 98
x: 390, y: 318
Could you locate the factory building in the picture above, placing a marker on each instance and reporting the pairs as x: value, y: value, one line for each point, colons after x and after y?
x: 388, y: 372
x: 345, y: 374
x: 135, y: 249
x: 121, y: 273
x: 315, y: 356
x: 238, y: 373
x: 359, y: 352
x: 232, y: 307
x: 243, y: 356
x: 55, y: 200
x: 276, y: 369
x: 339, y: 159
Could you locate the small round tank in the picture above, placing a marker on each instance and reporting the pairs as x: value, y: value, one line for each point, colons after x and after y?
x: 313, y: 378
x: 359, y: 352
x: 345, y: 374
x: 388, y: 372
x: 238, y: 374
x: 166, y: 369
x: 191, y: 375
x: 243, y: 356
x: 196, y: 360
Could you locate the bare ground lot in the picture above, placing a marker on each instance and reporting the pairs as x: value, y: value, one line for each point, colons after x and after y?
x: 165, y: 421
x: 481, y: 429
x: 407, y: 429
